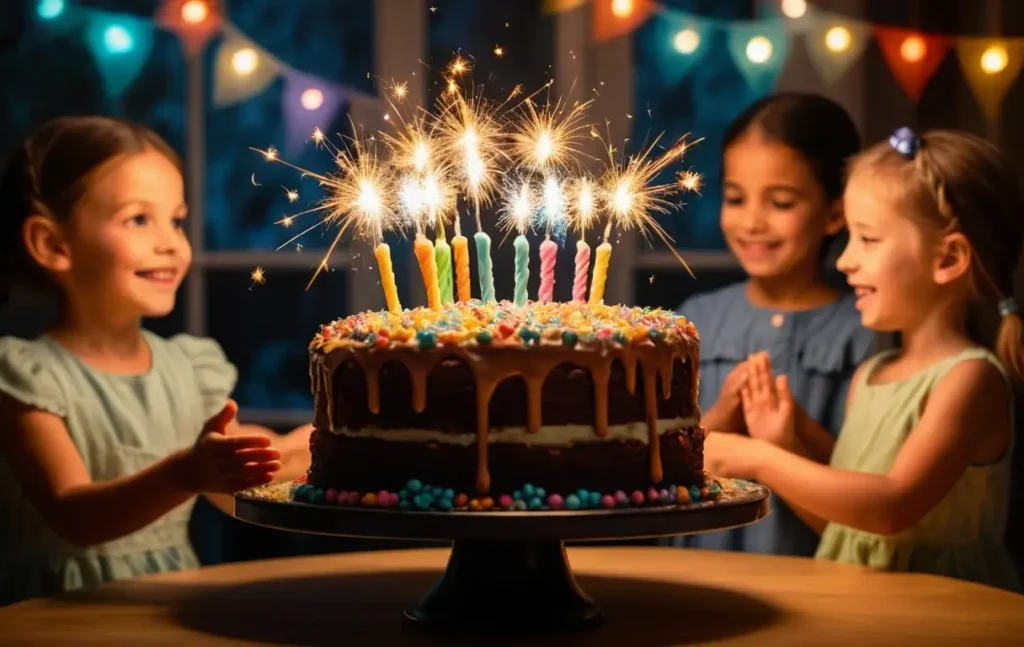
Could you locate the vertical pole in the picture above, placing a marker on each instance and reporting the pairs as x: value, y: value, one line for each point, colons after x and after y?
x: 195, y: 175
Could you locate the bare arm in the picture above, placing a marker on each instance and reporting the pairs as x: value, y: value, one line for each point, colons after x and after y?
x: 966, y: 419
x: 51, y: 473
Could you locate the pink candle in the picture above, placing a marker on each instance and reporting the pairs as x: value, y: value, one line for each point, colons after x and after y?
x: 579, y: 284
x: 548, y: 252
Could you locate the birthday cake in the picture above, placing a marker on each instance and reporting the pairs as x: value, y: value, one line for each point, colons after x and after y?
x: 497, y: 405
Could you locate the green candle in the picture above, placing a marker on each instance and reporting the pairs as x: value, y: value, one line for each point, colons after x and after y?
x: 522, y: 247
x: 443, y: 254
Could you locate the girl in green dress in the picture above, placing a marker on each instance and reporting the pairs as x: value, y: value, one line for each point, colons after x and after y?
x: 919, y: 477
x: 108, y: 432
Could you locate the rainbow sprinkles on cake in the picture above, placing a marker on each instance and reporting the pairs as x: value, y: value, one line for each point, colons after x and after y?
x: 471, y: 402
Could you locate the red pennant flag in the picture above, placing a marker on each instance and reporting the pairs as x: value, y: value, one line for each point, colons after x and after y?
x: 913, y: 57
x: 194, y: 21
x: 615, y: 18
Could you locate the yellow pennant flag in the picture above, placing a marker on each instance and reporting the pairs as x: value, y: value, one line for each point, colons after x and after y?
x: 990, y: 66
x: 242, y: 68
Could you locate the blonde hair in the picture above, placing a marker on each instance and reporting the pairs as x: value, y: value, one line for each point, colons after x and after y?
x: 957, y: 182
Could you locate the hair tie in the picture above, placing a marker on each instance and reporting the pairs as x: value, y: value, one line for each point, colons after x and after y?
x: 1007, y: 306
x: 905, y: 142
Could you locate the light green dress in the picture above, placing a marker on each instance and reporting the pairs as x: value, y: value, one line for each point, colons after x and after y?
x: 960, y: 537
x: 120, y: 425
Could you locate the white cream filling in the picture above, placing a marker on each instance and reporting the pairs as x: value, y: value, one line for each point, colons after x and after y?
x: 552, y: 435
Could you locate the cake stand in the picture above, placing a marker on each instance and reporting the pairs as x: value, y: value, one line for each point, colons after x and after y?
x: 507, y: 570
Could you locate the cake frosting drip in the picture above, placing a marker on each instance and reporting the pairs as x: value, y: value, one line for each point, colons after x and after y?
x: 500, y: 340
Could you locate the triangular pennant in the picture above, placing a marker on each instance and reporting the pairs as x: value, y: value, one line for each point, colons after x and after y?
x: 615, y: 18
x: 242, y: 69
x: 674, y: 42
x: 834, y: 44
x: 797, y: 16
x: 990, y: 65
x: 193, y: 22
x: 308, y: 103
x: 59, y: 16
x: 760, y: 50
x: 912, y: 57
x: 120, y: 44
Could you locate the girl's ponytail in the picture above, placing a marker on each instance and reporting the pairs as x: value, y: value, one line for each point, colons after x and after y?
x: 1010, y: 339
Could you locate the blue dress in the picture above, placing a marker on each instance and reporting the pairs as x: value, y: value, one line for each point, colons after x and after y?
x: 818, y: 350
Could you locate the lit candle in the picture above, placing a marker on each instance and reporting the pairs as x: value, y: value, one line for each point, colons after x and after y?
x: 443, y: 256
x: 579, y: 285
x: 548, y: 256
x: 461, y: 248
x: 522, y: 247
x: 428, y: 268
x: 483, y: 259
x: 604, y: 254
x: 387, y: 276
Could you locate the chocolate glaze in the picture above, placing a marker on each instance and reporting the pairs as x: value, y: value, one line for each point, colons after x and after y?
x: 354, y: 463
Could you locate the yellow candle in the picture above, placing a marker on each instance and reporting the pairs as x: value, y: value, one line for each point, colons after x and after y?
x: 428, y: 268
x: 387, y: 277
x: 604, y: 254
x: 461, y: 248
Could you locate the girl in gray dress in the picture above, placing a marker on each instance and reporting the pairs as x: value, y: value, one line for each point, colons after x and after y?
x: 108, y: 432
x: 783, y: 168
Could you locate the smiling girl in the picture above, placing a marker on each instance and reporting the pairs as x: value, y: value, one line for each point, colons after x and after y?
x: 783, y: 165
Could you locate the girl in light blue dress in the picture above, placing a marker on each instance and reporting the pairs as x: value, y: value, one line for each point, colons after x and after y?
x: 783, y: 170
x: 108, y: 432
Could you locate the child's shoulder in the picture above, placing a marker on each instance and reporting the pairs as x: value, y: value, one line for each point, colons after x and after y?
x: 187, y: 348
x: 215, y: 375
x: 28, y: 373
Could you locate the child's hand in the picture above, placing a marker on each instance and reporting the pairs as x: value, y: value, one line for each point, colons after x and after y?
x: 727, y: 413
x: 226, y: 464
x: 733, y: 455
x: 768, y: 407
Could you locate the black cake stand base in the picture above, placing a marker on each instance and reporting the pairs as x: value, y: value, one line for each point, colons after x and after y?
x: 506, y: 560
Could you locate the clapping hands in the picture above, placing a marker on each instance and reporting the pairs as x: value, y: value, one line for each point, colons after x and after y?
x: 769, y: 410
x: 221, y: 463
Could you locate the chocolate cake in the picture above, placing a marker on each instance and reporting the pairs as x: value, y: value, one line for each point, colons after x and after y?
x: 484, y: 398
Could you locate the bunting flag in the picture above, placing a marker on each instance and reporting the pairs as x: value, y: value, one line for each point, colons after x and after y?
x: 307, y: 104
x: 760, y: 50
x: 615, y: 18
x: 193, y: 23
x: 242, y: 69
x: 677, y: 42
x: 835, y: 44
x: 990, y: 66
x: 912, y: 57
x: 120, y: 44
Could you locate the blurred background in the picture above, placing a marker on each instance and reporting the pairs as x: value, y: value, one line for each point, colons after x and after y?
x: 216, y: 78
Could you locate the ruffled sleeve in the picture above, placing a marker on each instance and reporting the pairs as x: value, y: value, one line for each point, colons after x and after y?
x: 27, y: 376
x: 215, y: 375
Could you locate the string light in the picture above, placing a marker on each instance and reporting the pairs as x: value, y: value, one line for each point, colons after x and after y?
x: 994, y: 59
x: 194, y: 12
x: 838, y: 39
x: 913, y: 49
x: 244, y: 61
x: 794, y: 8
x: 50, y: 9
x: 312, y: 98
x: 759, y: 50
x: 686, y: 41
x: 117, y: 40
x: 622, y: 8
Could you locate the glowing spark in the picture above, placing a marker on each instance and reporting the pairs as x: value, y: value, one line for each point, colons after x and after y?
x: 292, y: 194
x: 287, y: 221
x: 254, y: 182
x: 433, y: 9
x: 499, y: 51
x: 517, y: 206
x: 452, y: 87
x: 318, y: 136
x: 690, y: 181
x: 651, y: 279
x: 458, y: 66
x: 399, y: 90
x: 270, y: 154
x: 583, y: 208
x: 554, y: 204
x: 549, y: 139
x: 258, y: 277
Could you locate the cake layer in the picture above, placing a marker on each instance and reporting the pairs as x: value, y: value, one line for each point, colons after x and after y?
x: 368, y: 464
x: 567, y: 396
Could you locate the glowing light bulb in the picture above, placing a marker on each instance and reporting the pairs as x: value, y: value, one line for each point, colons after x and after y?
x: 686, y: 41
x: 759, y: 50
x: 838, y: 39
x: 312, y: 98
x: 994, y: 59
x: 244, y: 61
x: 117, y: 40
x: 194, y: 12
x: 622, y: 8
x: 794, y: 8
x: 913, y: 49
x: 50, y: 9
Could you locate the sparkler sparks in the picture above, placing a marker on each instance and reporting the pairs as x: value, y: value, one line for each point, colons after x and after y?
x: 549, y: 138
x: 258, y: 277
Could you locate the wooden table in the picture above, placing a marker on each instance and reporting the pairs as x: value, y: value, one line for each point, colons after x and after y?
x: 653, y: 596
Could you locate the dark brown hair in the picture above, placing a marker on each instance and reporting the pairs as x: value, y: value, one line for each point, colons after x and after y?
x: 49, y: 173
x: 961, y: 183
